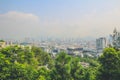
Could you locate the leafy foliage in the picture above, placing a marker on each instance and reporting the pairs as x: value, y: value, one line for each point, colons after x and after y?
x: 18, y: 63
x: 110, y: 65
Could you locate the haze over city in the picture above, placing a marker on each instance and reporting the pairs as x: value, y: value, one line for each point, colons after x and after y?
x: 58, y: 18
x: 59, y: 39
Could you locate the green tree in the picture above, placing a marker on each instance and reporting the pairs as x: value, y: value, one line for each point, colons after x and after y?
x: 17, y: 63
x: 109, y: 69
x: 44, y: 73
x: 62, y: 67
x: 42, y: 57
x: 77, y: 71
x: 4, y: 67
x: 90, y: 73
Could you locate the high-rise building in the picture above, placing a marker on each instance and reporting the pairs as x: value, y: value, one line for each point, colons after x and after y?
x: 101, y: 43
x: 116, y: 39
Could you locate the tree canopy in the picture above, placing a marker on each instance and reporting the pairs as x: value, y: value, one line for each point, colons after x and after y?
x: 18, y: 63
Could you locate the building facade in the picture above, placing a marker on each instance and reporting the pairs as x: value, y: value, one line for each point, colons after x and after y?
x: 116, y: 39
x: 101, y: 43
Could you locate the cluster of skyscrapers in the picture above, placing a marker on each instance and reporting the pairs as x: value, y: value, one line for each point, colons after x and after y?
x: 113, y: 41
x: 73, y: 47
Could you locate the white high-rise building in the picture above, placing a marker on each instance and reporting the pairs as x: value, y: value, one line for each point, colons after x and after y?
x: 101, y: 43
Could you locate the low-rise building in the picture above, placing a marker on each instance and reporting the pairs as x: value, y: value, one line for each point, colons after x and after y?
x: 2, y: 44
x: 75, y: 51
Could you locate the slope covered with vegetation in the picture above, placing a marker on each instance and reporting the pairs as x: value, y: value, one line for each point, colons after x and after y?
x: 17, y: 63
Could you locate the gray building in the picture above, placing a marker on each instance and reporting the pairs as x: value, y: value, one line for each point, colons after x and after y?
x: 101, y: 43
x: 116, y: 39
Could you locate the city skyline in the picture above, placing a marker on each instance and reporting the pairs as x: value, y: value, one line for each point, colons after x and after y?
x: 61, y: 18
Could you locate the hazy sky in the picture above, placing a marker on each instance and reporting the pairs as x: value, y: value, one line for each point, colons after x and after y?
x: 58, y: 18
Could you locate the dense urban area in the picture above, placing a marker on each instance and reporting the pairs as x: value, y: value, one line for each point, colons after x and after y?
x: 66, y: 59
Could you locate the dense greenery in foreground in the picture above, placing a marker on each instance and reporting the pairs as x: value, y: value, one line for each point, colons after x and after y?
x: 17, y: 63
